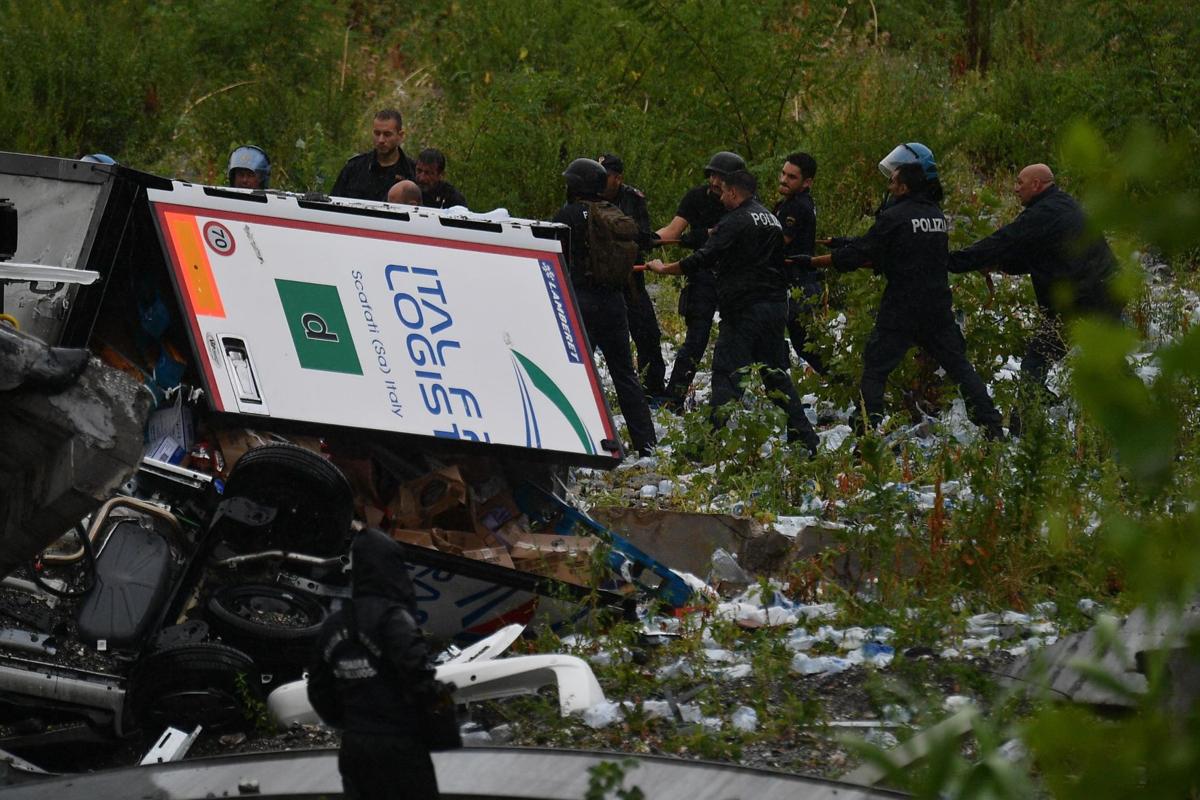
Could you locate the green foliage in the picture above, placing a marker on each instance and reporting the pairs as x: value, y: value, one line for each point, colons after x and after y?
x: 607, y: 779
x: 174, y: 87
x: 253, y: 709
x: 1098, y: 500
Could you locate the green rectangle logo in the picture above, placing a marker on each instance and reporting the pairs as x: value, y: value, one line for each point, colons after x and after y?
x: 318, y: 326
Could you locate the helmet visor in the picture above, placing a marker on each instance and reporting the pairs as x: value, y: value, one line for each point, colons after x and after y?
x: 901, y: 154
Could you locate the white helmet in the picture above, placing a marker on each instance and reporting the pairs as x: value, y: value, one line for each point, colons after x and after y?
x: 251, y: 158
x: 913, y: 152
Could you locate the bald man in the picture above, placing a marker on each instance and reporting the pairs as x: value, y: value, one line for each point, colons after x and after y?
x: 406, y: 193
x: 1071, y: 267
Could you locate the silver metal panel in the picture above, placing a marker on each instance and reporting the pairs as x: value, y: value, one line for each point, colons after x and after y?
x: 53, y: 220
x: 500, y: 772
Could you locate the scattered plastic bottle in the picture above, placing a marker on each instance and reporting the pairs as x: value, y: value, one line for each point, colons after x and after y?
x: 745, y: 719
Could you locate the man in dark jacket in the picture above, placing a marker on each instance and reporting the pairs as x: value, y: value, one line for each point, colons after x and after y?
x: 371, y: 678
x: 436, y: 192
x: 797, y: 213
x: 369, y: 175
x: 602, y: 307
x: 643, y: 323
x: 1071, y: 268
x: 698, y: 212
x: 908, y: 245
x: 746, y: 250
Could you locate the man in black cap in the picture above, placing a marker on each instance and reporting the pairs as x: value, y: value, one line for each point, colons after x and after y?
x: 371, y: 678
x: 431, y: 174
x: 698, y: 211
x: 600, y: 304
x: 746, y: 251
x: 643, y: 323
x: 369, y: 175
x: 797, y: 213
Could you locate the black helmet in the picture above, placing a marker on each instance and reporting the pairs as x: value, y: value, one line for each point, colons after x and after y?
x: 585, y: 176
x: 724, y: 163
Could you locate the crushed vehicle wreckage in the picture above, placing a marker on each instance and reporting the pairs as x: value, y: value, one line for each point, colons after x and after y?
x: 269, y: 371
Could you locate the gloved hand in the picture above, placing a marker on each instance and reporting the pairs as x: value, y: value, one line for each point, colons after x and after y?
x: 835, y: 242
x: 800, y: 262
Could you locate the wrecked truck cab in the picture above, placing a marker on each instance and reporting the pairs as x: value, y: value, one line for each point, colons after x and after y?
x: 309, y: 361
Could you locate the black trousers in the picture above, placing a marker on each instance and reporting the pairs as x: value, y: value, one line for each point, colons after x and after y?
x: 603, y: 312
x: 646, y: 335
x: 381, y: 767
x: 698, y: 304
x: 755, y: 336
x: 1048, y: 345
x: 800, y: 311
x: 944, y: 342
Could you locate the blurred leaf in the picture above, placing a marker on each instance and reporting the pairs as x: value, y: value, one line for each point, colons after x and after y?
x: 1142, y: 429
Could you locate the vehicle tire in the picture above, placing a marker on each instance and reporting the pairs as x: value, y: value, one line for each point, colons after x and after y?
x: 313, y: 500
x: 187, y: 685
x: 278, y: 627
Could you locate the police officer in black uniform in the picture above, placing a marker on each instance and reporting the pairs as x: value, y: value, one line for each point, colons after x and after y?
x: 908, y: 245
x: 797, y: 213
x: 436, y: 192
x: 643, y: 323
x: 369, y: 175
x: 371, y: 678
x: 698, y: 211
x: 602, y: 307
x: 746, y: 252
x: 1071, y: 269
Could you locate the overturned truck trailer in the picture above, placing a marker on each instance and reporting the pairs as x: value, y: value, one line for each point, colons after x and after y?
x: 406, y: 333
x: 400, y: 320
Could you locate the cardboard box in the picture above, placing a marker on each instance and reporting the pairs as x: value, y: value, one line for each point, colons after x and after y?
x: 419, y: 538
x: 561, y: 568
x: 174, y: 421
x: 564, y: 558
x: 542, y: 545
x: 496, y: 512
x: 436, y: 500
x: 472, y: 545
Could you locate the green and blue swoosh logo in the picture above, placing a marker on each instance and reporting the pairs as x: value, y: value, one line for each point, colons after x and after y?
x: 530, y: 375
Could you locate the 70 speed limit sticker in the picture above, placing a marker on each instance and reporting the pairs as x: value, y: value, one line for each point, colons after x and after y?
x: 219, y: 239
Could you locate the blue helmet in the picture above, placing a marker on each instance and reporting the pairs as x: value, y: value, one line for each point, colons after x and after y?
x: 98, y: 158
x: 913, y: 152
x: 251, y: 158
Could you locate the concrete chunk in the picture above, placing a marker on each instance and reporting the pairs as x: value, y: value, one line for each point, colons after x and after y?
x: 63, y: 454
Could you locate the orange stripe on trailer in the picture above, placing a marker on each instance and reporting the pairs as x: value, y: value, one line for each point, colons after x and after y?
x: 194, y: 266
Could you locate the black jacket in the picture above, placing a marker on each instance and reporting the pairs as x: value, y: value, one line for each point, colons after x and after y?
x: 444, y: 195
x: 798, y: 216
x: 632, y: 202
x: 574, y: 216
x: 909, y: 246
x: 746, y: 250
x: 370, y: 672
x: 363, y: 179
x: 1049, y: 241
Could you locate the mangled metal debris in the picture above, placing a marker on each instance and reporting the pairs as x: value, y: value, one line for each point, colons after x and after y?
x: 477, y: 673
x: 1120, y: 649
x: 197, y: 578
